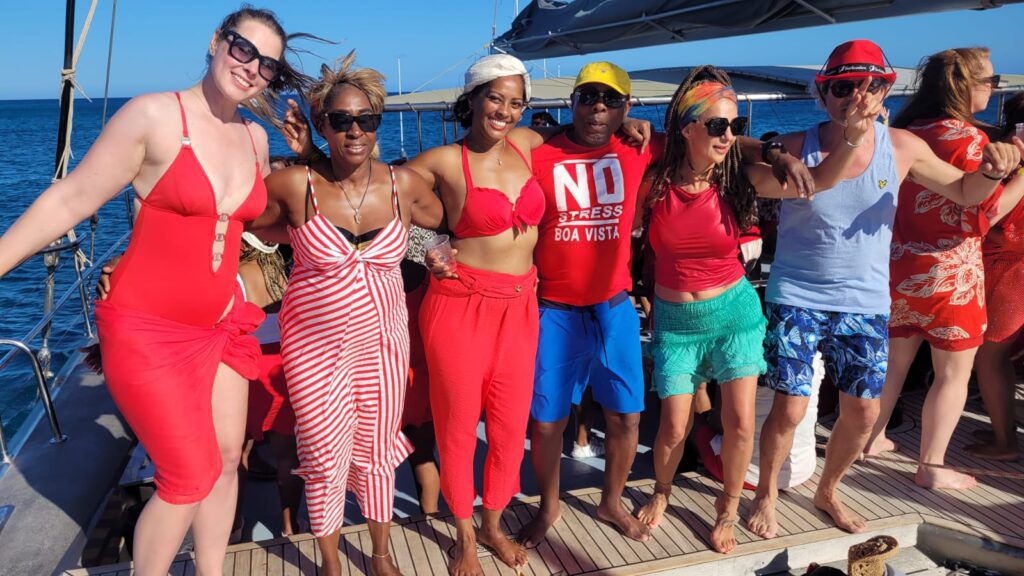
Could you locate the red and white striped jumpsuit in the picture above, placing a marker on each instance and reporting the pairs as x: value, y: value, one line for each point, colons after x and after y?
x: 345, y: 348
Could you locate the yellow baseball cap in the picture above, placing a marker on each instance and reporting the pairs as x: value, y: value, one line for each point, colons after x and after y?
x: 604, y: 73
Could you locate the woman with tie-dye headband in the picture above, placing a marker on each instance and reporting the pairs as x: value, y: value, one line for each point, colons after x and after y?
x: 708, y: 323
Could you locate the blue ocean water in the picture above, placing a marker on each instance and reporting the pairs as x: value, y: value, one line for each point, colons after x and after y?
x: 30, y: 129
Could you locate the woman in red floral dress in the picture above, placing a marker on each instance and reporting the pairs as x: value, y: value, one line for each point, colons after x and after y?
x: 937, y: 279
x: 1004, y: 282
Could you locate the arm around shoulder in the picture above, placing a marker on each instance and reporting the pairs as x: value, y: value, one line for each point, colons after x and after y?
x: 425, y: 208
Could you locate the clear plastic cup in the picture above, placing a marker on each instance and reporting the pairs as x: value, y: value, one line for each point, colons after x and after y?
x: 1019, y: 129
x: 439, y: 250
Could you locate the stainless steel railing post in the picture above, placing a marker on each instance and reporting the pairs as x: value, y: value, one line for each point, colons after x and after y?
x: 44, y: 391
x: 5, y: 456
x: 50, y: 259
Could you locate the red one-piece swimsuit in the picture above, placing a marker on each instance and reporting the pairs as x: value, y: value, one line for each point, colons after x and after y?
x: 167, y: 325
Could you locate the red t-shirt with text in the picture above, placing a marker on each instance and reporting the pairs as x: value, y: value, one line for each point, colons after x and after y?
x: 583, y: 250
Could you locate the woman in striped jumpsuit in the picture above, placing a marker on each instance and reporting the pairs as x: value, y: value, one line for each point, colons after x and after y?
x: 344, y: 327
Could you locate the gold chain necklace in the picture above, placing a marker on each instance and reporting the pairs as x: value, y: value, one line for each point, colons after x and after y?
x: 355, y: 209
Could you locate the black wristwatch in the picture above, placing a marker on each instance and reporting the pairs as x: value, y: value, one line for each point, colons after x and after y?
x: 768, y: 147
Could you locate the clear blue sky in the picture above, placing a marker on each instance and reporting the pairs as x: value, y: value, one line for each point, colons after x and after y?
x: 159, y: 45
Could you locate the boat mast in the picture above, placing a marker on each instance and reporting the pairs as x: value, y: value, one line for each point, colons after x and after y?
x: 60, y: 168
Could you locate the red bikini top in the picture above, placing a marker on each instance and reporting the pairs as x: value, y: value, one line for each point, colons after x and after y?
x: 488, y: 211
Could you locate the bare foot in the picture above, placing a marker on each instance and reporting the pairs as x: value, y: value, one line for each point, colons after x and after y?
x: 841, y: 515
x: 466, y: 562
x: 652, y: 512
x: 943, y: 479
x: 624, y: 521
x: 761, y: 520
x: 722, y: 538
x: 994, y: 452
x: 880, y: 445
x: 533, y: 533
x: 382, y: 566
x: 507, y: 551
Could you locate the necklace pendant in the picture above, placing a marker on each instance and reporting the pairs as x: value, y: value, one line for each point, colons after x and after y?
x: 355, y: 215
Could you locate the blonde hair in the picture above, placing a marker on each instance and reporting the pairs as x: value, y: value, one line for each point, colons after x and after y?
x: 945, y: 82
x: 367, y: 80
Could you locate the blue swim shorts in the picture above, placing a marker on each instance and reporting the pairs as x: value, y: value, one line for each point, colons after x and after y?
x: 580, y: 346
x: 855, y: 348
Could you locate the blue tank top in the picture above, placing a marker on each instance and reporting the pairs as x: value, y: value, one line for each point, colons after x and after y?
x: 833, y: 252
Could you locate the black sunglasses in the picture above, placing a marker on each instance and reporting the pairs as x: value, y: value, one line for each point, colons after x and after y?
x: 244, y: 51
x: 611, y: 98
x: 717, y: 126
x: 343, y: 121
x: 992, y: 80
x: 843, y: 88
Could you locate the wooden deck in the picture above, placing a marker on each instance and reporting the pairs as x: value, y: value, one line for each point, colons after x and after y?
x: 881, y: 490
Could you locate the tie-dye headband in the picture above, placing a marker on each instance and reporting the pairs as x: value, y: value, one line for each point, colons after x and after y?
x: 699, y: 98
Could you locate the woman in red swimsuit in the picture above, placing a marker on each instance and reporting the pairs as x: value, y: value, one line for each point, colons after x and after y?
x: 937, y: 278
x: 177, y: 361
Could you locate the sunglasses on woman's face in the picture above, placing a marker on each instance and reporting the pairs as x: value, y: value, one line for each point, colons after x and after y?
x: 717, y: 126
x: 611, y: 98
x: 843, y: 88
x: 343, y: 121
x: 244, y: 52
x: 992, y: 81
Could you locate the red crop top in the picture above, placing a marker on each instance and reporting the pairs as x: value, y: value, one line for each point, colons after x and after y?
x: 488, y: 211
x: 182, y: 259
x: 695, y: 238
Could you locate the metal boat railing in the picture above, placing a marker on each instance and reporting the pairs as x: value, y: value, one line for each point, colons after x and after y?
x: 77, y: 292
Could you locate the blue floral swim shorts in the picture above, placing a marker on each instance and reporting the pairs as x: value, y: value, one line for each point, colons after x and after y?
x: 855, y: 348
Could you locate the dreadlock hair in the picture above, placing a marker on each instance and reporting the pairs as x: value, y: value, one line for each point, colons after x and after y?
x: 270, y: 261
x: 728, y: 177
x: 333, y: 80
x: 288, y: 79
x: 945, y: 81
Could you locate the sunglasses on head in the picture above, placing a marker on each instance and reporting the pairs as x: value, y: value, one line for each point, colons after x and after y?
x: 717, y: 126
x: 244, y: 52
x: 343, y: 121
x: 992, y: 81
x: 611, y: 98
x: 843, y: 88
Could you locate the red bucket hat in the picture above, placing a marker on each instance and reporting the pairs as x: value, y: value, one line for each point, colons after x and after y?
x: 856, y: 59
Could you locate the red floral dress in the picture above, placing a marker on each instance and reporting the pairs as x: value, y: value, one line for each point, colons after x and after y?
x: 936, y: 275
x: 1004, y: 275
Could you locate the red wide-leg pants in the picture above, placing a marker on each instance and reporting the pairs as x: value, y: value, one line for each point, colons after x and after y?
x: 480, y: 336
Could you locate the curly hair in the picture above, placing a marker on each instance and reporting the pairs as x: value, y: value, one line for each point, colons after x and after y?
x: 944, y: 84
x: 289, y: 79
x: 729, y: 176
x: 332, y: 80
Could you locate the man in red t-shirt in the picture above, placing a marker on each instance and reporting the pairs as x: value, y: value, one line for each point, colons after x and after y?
x: 589, y: 331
